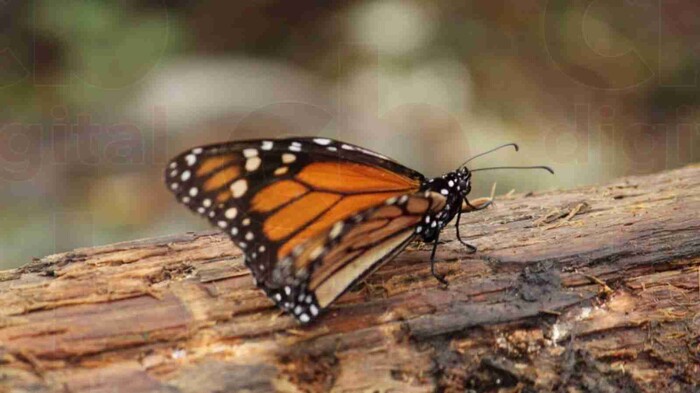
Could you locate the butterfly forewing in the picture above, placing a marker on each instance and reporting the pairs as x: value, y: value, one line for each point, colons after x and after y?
x: 273, y: 196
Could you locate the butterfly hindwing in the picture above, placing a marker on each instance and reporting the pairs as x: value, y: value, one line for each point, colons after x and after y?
x: 328, y: 264
x: 271, y: 196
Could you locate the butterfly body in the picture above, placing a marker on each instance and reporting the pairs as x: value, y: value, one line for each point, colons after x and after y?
x: 455, y: 186
x: 314, y: 215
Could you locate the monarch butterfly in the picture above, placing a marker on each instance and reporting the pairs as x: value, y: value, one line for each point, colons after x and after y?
x: 314, y: 215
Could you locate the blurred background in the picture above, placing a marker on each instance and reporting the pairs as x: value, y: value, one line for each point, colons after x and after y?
x: 97, y: 95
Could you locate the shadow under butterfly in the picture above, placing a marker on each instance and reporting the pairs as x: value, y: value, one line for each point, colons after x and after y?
x: 314, y: 215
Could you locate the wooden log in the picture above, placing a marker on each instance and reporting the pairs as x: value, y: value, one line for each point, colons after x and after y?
x: 594, y: 289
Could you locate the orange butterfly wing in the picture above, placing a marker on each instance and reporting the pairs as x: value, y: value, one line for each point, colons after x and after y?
x: 273, y: 196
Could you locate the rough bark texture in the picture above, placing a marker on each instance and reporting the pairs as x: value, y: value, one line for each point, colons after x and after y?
x: 588, y: 290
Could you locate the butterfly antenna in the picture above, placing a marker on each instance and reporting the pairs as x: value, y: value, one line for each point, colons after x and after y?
x: 515, y: 145
x: 546, y: 168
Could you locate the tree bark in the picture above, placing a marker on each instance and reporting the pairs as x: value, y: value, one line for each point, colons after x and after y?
x: 594, y: 289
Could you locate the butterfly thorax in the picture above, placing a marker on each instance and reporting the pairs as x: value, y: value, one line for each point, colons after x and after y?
x: 454, y: 186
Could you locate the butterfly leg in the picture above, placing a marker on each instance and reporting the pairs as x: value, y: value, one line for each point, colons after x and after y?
x: 471, y: 248
x: 437, y: 276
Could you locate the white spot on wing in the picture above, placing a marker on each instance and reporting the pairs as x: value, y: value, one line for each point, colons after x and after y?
x: 194, y: 191
x: 316, y: 252
x: 197, y: 150
x: 337, y: 228
x: 252, y: 164
x: 191, y: 159
x: 322, y: 141
x: 288, y: 158
x: 281, y: 171
x: 248, y: 153
x: 239, y: 188
x: 231, y: 213
x: 185, y: 175
x: 266, y: 145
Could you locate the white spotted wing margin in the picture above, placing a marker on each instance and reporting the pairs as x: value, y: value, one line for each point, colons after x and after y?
x: 329, y: 264
x: 219, y: 182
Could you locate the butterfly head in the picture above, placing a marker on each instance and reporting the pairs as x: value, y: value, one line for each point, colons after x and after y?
x: 464, y: 181
x: 453, y: 185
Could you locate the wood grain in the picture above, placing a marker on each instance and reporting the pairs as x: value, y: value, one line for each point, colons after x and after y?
x: 594, y: 289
